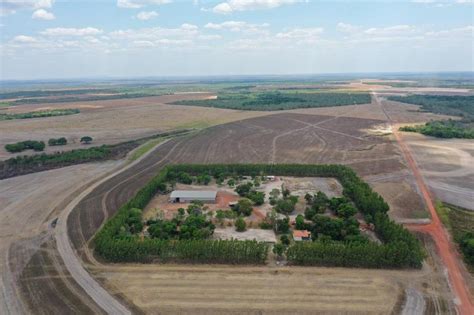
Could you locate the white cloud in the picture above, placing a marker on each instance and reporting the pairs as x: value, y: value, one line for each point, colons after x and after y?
x: 460, y: 32
x: 237, y: 26
x: 42, y: 14
x: 62, y: 31
x: 443, y: 3
x: 146, y: 15
x: 185, y: 31
x: 137, y: 4
x: 11, y: 6
x: 189, y: 27
x: 391, y: 30
x: 24, y: 39
x: 347, y: 28
x: 245, y: 5
x: 301, y: 33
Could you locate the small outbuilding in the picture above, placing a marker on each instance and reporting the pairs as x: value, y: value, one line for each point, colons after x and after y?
x: 301, y: 235
x: 184, y: 196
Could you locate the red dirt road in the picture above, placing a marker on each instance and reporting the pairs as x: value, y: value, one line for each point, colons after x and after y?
x: 445, y: 247
x: 447, y: 251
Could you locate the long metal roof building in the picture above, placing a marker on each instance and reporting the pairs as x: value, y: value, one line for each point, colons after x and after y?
x: 191, y: 195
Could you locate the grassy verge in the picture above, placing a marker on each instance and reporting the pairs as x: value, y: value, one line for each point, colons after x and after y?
x: 458, y: 221
x: 145, y: 148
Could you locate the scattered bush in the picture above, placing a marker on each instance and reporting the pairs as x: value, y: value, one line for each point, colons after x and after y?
x: 58, y: 141
x: 240, y: 225
x: 86, y: 140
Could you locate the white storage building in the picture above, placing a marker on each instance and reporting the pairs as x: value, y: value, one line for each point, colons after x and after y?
x: 183, y: 196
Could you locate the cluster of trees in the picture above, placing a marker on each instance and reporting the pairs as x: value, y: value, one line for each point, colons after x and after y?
x: 185, y: 178
x: 275, y: 100
x: 444, y: 129
x: 25, y: 145
x: 39, y: 114
x: 57, y: 141
x: 246, y: 190
x: 285, y: 204
x: 453, y: 105
x: 27, y: 164
x: 193, y: 227
x: 40, y: 145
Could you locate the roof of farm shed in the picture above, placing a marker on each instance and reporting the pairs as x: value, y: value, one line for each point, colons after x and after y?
x: 190, y: 194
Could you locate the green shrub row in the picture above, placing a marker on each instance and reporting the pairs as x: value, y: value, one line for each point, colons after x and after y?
x: 25, y: 145
x: 39, y: 114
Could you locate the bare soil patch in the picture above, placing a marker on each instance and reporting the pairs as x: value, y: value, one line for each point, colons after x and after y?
x: 171, y: 289
x: 447, y: 165
x: 248, y: 235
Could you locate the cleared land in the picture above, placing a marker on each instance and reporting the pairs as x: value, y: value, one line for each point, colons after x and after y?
x: 447, y: 165
x: 255, y: 290
x: 111, y: 121
x: 29, y: 204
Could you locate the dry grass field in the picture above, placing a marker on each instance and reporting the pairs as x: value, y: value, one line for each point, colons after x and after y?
x: 112, y: 121
x: 207, y: 289
x: 28, y: 205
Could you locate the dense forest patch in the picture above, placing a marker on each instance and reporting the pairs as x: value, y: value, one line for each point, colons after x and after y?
x: 275, y: 100
x: 462, y: 106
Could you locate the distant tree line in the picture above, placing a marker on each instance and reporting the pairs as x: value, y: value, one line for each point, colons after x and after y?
x: 39, y: 114
x: 276, y: 100
x: 399, y: 250
x: 85, y: 98
x: 453, y: 105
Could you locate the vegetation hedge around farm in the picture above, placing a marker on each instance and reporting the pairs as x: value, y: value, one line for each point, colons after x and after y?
x: 399, y: 250
x: 441, y: 104
x: 40, y: 114
x: 268, y: 101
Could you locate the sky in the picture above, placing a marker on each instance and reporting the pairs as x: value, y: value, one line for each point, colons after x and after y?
x: 54, y: 39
